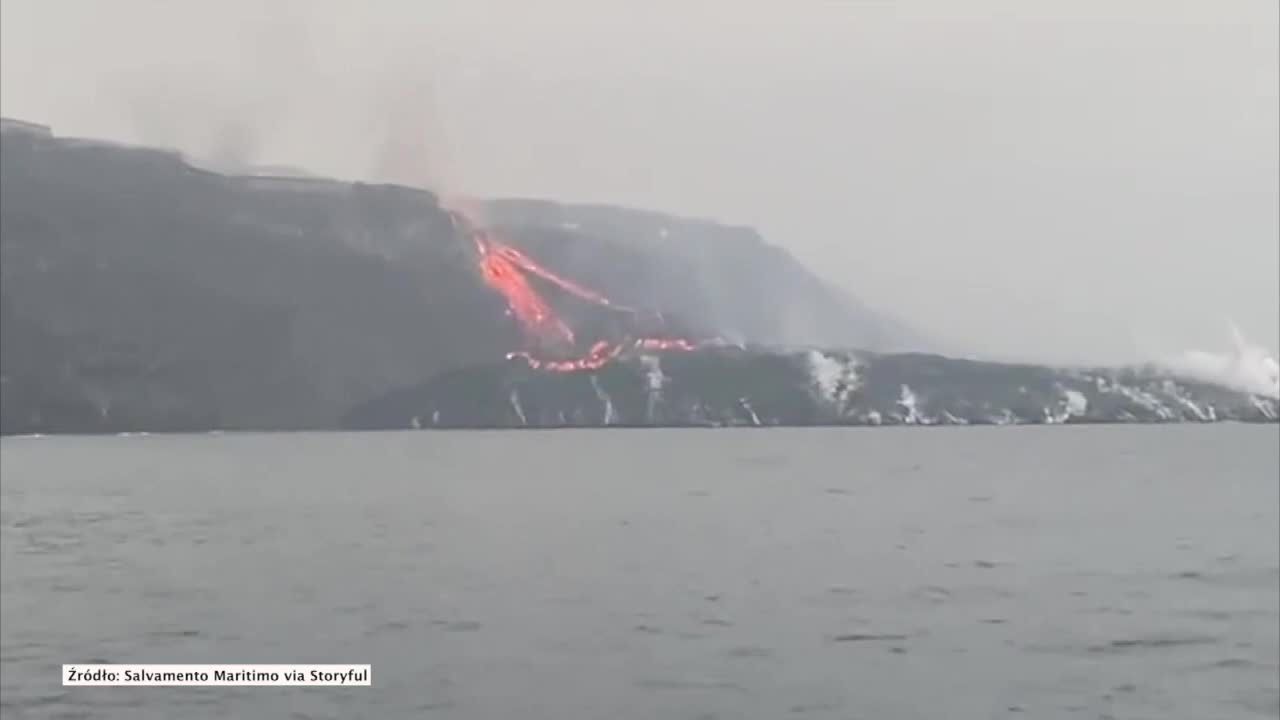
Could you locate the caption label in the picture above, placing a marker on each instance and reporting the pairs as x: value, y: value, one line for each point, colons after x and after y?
x: 228, y: 675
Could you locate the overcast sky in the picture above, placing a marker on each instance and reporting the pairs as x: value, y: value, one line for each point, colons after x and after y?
x: 1060, y: 180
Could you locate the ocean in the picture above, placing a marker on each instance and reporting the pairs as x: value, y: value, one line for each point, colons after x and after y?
x: 1020, y: 572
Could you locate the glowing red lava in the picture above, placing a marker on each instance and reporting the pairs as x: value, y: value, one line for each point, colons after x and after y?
x: 534, y: 315
x: 504, y: 269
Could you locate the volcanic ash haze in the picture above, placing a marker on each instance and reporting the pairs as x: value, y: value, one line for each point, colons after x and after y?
x: 1032, y: 181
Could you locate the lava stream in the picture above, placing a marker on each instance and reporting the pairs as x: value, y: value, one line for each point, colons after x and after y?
x: 530, y: 310
x: 502, y: 267
x: 525, y: 262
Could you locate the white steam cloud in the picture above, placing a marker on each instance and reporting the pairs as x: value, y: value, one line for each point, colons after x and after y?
x: 1247, y: 367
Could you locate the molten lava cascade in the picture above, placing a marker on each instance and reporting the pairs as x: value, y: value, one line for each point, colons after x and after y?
x: 503, y: 268
x: 533, y: 313
x: 525, y: 262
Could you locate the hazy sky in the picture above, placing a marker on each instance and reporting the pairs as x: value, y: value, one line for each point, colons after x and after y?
x: 1061, y: 180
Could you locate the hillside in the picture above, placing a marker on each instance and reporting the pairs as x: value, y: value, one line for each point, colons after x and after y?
x: 139, y: 293
x: 729, y: 386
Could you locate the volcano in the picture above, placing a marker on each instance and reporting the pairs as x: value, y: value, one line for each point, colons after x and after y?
x: 143, y: 292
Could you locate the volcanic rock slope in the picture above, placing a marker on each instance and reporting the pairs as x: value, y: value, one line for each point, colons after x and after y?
x: 140, y: 293
x: 730, y: 386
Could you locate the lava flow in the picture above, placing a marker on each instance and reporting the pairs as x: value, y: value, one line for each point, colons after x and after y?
x: 535, y: 316
x: 550, y: 344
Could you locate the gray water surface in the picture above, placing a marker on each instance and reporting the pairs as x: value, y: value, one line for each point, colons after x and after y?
x: 1075, y: 572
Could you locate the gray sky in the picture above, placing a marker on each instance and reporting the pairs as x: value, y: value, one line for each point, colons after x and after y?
x: 1061, y: 180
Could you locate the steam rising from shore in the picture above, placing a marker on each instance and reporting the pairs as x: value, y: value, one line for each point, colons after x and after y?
x: 1247, y: 367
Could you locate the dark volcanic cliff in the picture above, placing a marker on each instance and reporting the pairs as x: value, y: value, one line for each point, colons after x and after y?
x: 140, y: 293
